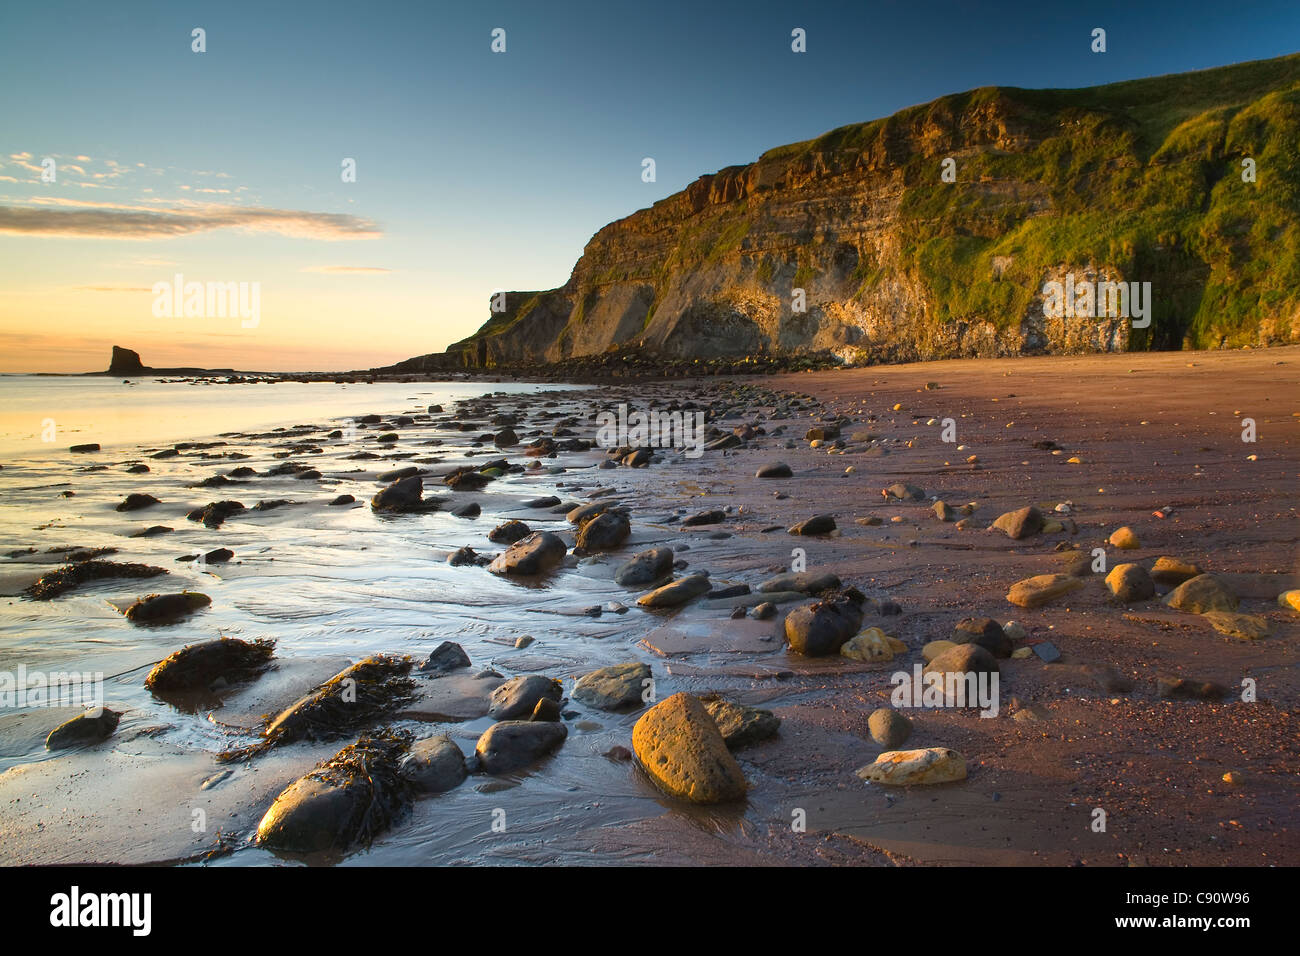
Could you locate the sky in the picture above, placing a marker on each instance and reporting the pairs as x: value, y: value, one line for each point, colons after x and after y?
x: 475, y: 170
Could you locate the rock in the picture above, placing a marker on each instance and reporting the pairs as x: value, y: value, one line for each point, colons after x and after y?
x: 1247, y: 627
x: 1172, y: 571
x: 214, y: 514
x: 818, y: 524
x: 198, y: 666
x: 397, y: 474
x: 514, y: 744
x: 676, y: 593
x: 447, y: 656
x: 816, y: 630
x: 1125, y: 539
x: 870, y: 521
x: 348, y: 799
x: 505, y: 438
x: 901, y: 491
x: 549, y: 501
x: 645, y: 568
x: 342, y: 500
x: 963, y: 659
x: 135, y: 501
x: 434, y: 765
x: 88, y: 728
x: 935, y: 648
x: 466, y: 556
x: 985, y: 632
x: 777, y: 469
x: 523, y: 640
x: 1205, y: 592
x: 605, y: 532
x: 1290, y: 599
x: 164, y: 608
x: 1015, y: 631
x: 805, y: 582
x: 1021, y: 523
x: 614, y: 687
x: 84, y: 449
x: 1129, y: 583
x: 872, y: 644
x: 739, y: 725
x: 822, y: 433
x: 584, y: 513
x: 763, y: 612
x: 1180, y: 688
x: 470, y: 509
x: 518, y: 696
x: 509, y: 533
x: 403, y: 495
x: 1042, y: 589
x: 217, y: 556
x: 152, y: 531
x: 536, y: 554
x: 889, y: 728
x: 680, y: 747
x: 714, y: 516
x: 943, y: 512
x: 546, y: 709
x: 905, y: 768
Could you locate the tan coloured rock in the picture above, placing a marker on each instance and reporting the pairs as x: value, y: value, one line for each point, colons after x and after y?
x: 907, y: 768
x: 678, y: 744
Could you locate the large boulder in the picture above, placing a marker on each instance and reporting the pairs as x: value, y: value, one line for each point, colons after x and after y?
x: 518, y: 696
x: 816, y: 630
x: 605, y: 532
x: 614, y: 687
x: 348, y: 799
x: 514, y: 744
x: 1129, y: 583
x: 645, y: 568
x: 435, y: 764
x: 536, y: 554
x: 680, y: 747
x: 1205, y: 592
x: 1020, y: 523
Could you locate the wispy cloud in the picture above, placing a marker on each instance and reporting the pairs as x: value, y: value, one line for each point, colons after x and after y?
x: 349, y: 270
x: 81, y: 219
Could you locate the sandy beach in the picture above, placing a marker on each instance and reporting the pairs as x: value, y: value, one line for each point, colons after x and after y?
x: 1083, y: 721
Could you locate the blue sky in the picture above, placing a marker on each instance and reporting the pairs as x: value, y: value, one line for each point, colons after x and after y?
x: 475, y: 170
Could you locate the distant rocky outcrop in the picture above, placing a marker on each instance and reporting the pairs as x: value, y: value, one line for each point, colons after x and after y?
x: 125, y: 362
x: 902, y: 255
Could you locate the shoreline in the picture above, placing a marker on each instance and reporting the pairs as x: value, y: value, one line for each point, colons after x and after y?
x: 1081, y: 742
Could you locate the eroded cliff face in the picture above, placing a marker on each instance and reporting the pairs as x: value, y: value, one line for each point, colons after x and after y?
x: 1136, y: 182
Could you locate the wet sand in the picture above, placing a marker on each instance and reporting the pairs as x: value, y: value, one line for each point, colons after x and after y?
x: 333, y: 584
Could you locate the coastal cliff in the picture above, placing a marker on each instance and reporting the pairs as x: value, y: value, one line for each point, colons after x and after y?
x: 1135, y: 182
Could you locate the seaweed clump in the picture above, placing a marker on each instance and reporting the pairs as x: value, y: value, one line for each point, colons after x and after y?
x: 74, y: 575
x: 347, y: 800
x: 363, y: 693
x: 199, y: 666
